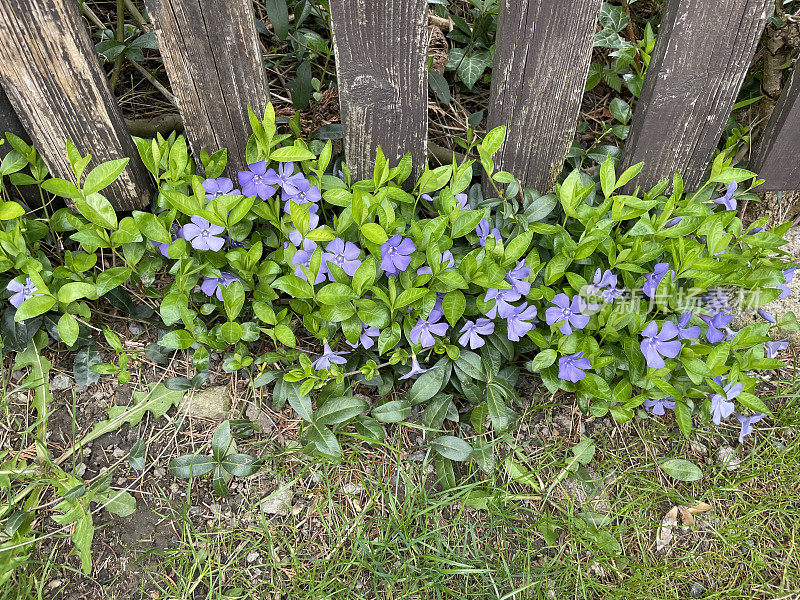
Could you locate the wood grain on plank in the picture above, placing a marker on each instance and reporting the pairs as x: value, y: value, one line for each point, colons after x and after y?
x: 777, y: 154
x: 702, y: 54
x: 50, y: 71
x: 213, y: 60
x: 381, y: 53
x: 542, y: 56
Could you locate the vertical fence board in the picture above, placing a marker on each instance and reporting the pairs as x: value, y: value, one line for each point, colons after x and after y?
x: 776, y: 157
x: 213, y: 60
x: 381, y: 52
x: 700, y: 60
x: 542, y: 56
x: 49, y: 69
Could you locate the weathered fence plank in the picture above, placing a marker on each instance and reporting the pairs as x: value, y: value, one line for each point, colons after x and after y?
x: 703, y: 51
x: 776, y: 157
x: 381, y: 53
x: 213, y: 61
x: 9, y: 122
x: 542, y: 55
x: 49, y: 70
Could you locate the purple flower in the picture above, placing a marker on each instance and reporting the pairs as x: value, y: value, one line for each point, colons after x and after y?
x: 177, y: 233
x: 672, y: 222
x: 474, y: 330
x: 396, y: 254
x: 328, y: 357
x: 568, y: 314
x: 722, y: 406
x: 772, y: 349
x: 767, y: 316
x: 483, y: 232
x: 657, y: 405
x: 342, y: 254
x: 303, y: 257
x: 728, y: 201
x: 517, y: 278
x: 447, y: 257
x: 21, y: 291
x: 437, y: 312
x: 415, y: 368
x: 756, y: 230
x: 367, y: 333
x: 255, y: 182
x: 572, y: 368
x: 716, y: 324
x: 203, y: 235
x: 306, y: 193
x: 521, y: 321
x: 656, y: 345
x: 289, y: 181
x: 652, y: 280
x: 788, y: 275
x: 422, y: 332
x: 213, y: 285
x: 501, y: 302
x: 684, y: 331
x: 298, y: 238
x: 220, y: 186
x: 747, y: 424
x: 463, y: 203
x: 604, y: 286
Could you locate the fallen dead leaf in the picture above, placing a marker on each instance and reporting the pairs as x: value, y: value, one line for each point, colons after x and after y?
x: 670, y: 520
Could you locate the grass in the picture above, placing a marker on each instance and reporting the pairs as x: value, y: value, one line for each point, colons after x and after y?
x: 377, y: 526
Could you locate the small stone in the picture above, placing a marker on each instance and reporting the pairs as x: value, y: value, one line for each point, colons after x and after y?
x: 278, y: 502
x: 726, y: 456
x: 260, y: 418
x: 135, y: 329
x: 210, y: 403
x: 54, y: 584
x: 352, y: 488
x: 253, y: 557
x: 118, y: 452
x: 80, y: 470
x: 696, y: 589
x: 417, y: 456
x: 60, y: 382
x: 698, y: 448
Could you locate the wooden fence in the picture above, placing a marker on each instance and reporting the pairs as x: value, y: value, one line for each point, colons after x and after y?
x: 55, y: 83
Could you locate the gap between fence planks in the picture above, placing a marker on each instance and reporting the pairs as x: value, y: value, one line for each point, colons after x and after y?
x: 52, y: 76
x: 776, y: 157
x: 9, y: 122
x: 213, y: 60
x: 381, y: 63
x: 701, y: 58
x: 542, y: 56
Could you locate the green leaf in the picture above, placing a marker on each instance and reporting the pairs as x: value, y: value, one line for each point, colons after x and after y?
x: 683, y: 416
x: 681, y: 469
x: 426, y: 386
x: 453, y: 305
x: 466, y: 222
x: 325, y: 441
x: 179, y: 339
x: 75, y: 290
x: 374, y: 233
x: 110, y: 279
x: 302, y: 406
x: 582, y: 453
x: 278, y: 15
x: 394, y: 411
x: 453, y: 448
x: 98, y: 210
x: 191, y: 465
x: 68, y: 329
x: 102, y: 175
x: 336, y: 411
x: 33, y: 307
x: 285, y: 335
x: 544, y: 359
x: 10, y: 210
x: 292, y: 154
x: 494, y: 139
x: 294, y: 286
x: 335, y: 293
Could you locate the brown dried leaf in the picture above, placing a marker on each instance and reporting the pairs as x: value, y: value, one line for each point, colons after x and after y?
x: 699, y: 507
x: 664, y: 535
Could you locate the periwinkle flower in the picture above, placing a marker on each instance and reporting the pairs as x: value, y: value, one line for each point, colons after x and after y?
x: 728, y: 201
x: 657, y: 344
x: 483, y: 231
x: 298, y: 238
x: 521, y: 321
x: 306, y: 194
x: 501, y: 297
x: 221, y: 186
x: 572, y: 368
x: 473, y: 330
x: 328, y: 358
x: 672, y: 222
x: 447, y: 260
x: 415, y: 369
x: 463, y: 202
x: 22, y: 291
x: 303, y: 258
x: 686, y: 332
x: 203, y: 235
x: 437, y: 312
x: 722, y: 406
x: 517, y: 277
x: 396, y: 254
x: 569, y: 314
x: 212, y: 286
x: 342, y: 254
x: 256, y: 181
x: 422, y: 333
x: 366, y: 339
x: 603, y: 286
x: 772, y: 349
x: 657, y: 405
x: 756, y: 230
x: 717, y: 326
x: 289, y: 181
x: 788, y: 275
x: 747, y: 424
x: 767, y: 316
x: 652, y: 280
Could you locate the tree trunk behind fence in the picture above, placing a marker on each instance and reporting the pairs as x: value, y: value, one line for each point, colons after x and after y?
x: 541, y: 60
x: 213, y: 59
x: 776, y: 157
x: 50, y: 71
x: 381, y: 53
x: 703, y: 51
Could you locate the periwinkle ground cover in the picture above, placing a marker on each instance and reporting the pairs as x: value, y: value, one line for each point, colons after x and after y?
x: 614, y: 297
